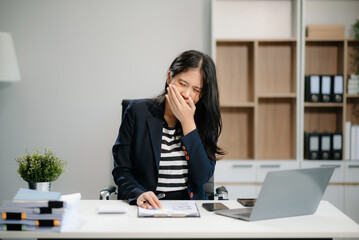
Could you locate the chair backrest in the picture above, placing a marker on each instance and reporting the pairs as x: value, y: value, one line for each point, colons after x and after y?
x: 125, y: 103
x: 208, y: 187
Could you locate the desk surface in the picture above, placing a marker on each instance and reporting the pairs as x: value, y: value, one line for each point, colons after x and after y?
x: 327, y: 222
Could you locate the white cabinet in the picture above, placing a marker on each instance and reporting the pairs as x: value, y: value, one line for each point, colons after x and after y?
x: 335, y: 190
x: 243, y: 179
x: 239, y: 177
x: 338, y: 174
x: 351, y: 204
x: 351, y: 190
x: 335, y: 195
x: 241, y: 191
x: 234, y: 171
x: 263, y: 167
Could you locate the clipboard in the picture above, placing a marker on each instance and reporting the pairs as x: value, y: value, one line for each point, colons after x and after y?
x: 172, y: 209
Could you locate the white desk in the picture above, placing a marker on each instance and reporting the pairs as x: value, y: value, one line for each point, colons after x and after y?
x: 327, y: 222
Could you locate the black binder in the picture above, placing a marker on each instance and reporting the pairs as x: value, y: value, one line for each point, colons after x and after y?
x: 312, y: 88
x: 337, y: 146
x: 337, y: 88
x: 325, y: 88
x: 325, y: 146
x: 311, y: 145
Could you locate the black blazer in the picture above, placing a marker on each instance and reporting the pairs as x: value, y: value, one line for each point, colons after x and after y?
x: 137, y: 153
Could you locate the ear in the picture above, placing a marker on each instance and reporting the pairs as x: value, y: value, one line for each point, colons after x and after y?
x: 169, y: 77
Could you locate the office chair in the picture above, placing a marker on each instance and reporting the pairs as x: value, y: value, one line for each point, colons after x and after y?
x: 221, y: 192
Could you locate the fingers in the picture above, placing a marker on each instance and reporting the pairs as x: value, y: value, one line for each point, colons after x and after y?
x: 171, y: 94
x: 148, y: 200
x: 154, y: 202
x: 169, y: 100
x: 177, y: 95
x: 176, y: 98
x: 191, y: 103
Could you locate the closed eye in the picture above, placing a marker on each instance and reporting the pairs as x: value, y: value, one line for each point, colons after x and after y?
x: 197, y: 90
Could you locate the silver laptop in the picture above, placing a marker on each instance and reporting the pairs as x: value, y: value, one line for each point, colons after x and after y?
x: 286, y: 193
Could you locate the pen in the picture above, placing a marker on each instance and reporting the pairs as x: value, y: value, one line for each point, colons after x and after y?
x: 159, y: 196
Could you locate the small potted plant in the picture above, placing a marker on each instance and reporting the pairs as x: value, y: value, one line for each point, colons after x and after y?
x: 40, y: 169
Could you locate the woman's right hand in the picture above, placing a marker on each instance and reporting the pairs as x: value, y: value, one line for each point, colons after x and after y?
x: 148, y: 200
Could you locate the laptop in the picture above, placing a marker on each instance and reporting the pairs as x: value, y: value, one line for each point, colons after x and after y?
x: 286, y: 193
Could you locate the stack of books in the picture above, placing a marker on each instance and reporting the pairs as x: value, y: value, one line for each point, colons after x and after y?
x: 32, y: 210
x: 353, y: 84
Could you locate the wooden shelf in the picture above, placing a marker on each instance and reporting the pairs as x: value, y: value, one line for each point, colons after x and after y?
x: 323, y: 105
x: 235, y: 71
x: 276, y: 67
x: 352, y: 96
x: 238, y: 133
x: 323, y: 119
x: 257, y: 82
x: 276, y: 129
x: 277, y: 95
x: 331, y: 57
x: 238, y: 105
x: 256, y: 40
x: 324, y: 57
x: 324, y: 39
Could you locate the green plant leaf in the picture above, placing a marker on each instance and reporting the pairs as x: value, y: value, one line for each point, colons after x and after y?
x: 40, y: 167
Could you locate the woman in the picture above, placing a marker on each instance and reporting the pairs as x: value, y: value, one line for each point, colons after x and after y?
x: 168, y: 145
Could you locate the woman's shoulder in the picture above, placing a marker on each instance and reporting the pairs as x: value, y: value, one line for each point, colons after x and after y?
x: 143, y: 105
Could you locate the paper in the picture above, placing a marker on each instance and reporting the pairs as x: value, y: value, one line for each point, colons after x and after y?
x: 171, y: 209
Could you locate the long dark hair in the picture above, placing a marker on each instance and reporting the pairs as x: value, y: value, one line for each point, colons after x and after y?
x: 207, y: 116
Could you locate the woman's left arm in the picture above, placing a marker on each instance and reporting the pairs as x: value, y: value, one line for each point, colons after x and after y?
x: 200, y: 166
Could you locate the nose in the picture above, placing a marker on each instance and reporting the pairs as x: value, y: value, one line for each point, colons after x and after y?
x: 186, y: 93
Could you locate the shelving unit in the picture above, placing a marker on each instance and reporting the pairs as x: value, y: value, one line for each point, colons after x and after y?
x: 257, y: 82
x: 262, y: 55
x: 330, y: 57
x: 257, y: 77
x: 324, y: 57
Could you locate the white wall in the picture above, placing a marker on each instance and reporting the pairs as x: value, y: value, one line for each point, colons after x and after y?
x: 78, y: 60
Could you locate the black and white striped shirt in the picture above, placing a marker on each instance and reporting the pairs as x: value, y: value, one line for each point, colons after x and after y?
x: 173, y: 168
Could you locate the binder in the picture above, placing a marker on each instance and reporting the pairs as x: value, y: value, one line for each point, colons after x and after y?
x: 312, y: 88
x: 325, y: 88
x: 38, y: 223
x: 311, y: 145
x: 337, y: 88
x: 325, y: 146
x: 337, y: 146
x: 29, y: 216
